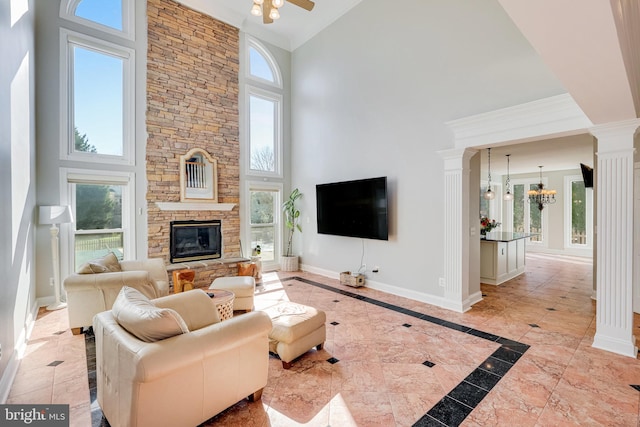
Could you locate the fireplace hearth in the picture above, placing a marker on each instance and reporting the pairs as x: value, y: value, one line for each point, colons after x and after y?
x: 195, y: 240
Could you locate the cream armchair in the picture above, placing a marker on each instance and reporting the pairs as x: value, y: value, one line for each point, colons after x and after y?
x: 186, y: 379
x: 90, y: 294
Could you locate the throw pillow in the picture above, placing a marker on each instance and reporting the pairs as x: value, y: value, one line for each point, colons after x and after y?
x: 107, y: 264
x: 141, y: 318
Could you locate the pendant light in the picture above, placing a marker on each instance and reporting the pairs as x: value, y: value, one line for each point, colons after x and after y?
x: 489, y: 195
x: 508, y: 195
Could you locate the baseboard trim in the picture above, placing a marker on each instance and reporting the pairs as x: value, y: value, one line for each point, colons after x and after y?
x: 20, y: 346
x: 435, y: 300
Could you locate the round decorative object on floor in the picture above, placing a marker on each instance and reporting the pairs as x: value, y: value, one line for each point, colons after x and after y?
x: 223, y: 300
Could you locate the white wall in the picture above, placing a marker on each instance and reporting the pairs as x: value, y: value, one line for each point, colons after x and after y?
x: 17, y: 183
x: 371, y: 94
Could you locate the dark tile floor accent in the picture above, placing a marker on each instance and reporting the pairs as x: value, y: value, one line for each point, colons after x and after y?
x: 450, y: 411
x: 97, y: 417
x: 55, y: 363
x: 459, y: 402
x: 428, y: 364
x: 636, y: 386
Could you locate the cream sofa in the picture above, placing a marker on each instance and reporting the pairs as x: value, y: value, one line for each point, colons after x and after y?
x: 90, y: 294
x: 186, y: 379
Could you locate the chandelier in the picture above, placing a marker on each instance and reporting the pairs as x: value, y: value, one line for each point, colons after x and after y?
x: 541, y: 196
x: 268, y: 9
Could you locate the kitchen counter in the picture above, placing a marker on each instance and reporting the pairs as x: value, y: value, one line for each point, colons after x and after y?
x: 502, y: 256
x: 505, y: 236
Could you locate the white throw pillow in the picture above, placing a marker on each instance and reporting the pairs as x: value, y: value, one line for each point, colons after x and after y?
x: 107, y: 264
x: 141, y: 318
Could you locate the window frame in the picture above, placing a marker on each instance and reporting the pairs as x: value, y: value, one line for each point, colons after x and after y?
x: 568, y: 191
x: 275, y: 70
x: 69, y: 40
x: 277, y: 188
x: 68, y: 9
x: 527, y: 211
x: 71, y: 176
x: 278, y: 136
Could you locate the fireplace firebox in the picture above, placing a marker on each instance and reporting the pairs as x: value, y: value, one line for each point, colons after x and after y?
x: 195, y: 240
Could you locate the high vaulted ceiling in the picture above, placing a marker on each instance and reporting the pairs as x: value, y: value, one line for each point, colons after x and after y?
x: 294, y: 27
x: 591, y: 48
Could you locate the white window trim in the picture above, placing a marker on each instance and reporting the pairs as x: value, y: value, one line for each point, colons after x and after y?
x: 278, y: 148
x: 277, y: 75
x: 545, y: 222
x: 568, y: 179
x: 69, y: 176
x: 278, y: 232
x: 67, y: 39
x: 68, y: 12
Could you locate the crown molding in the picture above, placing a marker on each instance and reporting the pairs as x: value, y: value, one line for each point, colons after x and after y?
x: 554, y: 116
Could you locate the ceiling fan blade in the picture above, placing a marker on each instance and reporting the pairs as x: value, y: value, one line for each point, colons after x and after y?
x: 305, y: 4
x: 266, y: 9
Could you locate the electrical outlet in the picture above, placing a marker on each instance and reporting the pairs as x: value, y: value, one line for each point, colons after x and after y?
x: 375, y: 269
x: 441, y: 282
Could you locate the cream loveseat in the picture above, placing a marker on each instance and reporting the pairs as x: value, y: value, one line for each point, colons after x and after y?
x: 90, y: 294
x: 187, y: 378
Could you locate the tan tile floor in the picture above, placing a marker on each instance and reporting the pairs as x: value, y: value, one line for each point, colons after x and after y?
x: 380, y: 378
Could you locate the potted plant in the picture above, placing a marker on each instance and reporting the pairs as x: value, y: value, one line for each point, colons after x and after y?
x: 486, y: 225
x: 289, y: 262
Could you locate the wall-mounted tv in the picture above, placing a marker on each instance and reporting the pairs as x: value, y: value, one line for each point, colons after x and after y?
x: 354, y: 208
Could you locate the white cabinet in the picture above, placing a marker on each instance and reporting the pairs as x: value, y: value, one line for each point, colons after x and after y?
x: 501, y: 260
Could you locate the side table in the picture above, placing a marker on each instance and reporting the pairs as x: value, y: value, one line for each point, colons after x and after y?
x: 223, y: 301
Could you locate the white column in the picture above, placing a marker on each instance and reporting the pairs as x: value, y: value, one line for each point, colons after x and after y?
x: 614, y: 277
x: 456, y: 228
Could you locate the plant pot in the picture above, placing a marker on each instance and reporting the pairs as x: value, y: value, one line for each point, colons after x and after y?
x: 289, y: 263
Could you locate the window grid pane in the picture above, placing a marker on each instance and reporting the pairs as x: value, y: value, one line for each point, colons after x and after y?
x: 578, y: 213
x: 535, y: 218
x: 104, y: 12
x: 262, y: 125
x: 518, y: 208
x: 98, y: 102
x: 98, y: 208
x: 259, y: 67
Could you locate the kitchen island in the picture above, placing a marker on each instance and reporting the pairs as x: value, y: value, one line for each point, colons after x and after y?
x: 502, y: 256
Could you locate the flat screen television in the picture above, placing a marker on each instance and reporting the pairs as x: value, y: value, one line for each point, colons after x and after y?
x: 354, y: 208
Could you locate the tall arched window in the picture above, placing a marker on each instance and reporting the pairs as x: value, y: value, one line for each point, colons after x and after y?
x: 263, y: 126
x: 264, y: 112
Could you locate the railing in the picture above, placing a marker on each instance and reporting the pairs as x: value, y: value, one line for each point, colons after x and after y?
x: 578, y: 237
x: 97, y: 244
x: 196, y: 177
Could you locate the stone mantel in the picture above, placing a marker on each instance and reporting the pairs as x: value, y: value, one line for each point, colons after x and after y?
x: 194, y: 206
x: 204, y: 263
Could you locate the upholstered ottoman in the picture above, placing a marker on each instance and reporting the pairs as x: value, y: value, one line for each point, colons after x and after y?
x: 244, y: 287
x: 296, y: 328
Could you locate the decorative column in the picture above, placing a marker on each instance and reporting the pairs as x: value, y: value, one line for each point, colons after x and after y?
x: 456, y: 228
x: 614, y: 249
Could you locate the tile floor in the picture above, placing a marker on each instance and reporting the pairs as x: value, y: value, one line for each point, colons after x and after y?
x: 522, y: 357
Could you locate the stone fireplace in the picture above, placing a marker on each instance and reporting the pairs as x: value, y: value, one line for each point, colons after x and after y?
x: 192, y: 101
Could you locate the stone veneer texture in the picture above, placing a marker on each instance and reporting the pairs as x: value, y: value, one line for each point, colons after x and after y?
x: 192, y: 102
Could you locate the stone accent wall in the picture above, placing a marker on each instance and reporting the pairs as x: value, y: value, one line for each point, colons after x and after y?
x: 192, y: 101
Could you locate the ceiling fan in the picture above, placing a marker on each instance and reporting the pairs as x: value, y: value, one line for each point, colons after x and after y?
x: 268, y: 9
